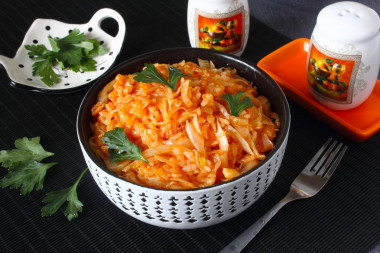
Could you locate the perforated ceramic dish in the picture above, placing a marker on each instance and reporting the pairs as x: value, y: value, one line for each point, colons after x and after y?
x: 19, y: 68
x: 184, y: 209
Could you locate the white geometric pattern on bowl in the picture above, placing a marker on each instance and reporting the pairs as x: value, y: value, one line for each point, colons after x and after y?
x: 19, y: 68
x: 187, y: 209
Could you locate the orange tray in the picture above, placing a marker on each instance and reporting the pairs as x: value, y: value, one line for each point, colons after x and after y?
x: 287, y: 66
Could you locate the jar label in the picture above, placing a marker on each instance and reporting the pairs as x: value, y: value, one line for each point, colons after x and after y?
x: 331, y: 76
x: 220, y: 31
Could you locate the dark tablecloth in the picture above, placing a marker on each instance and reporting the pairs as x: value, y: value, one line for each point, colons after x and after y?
x: 343, y: 217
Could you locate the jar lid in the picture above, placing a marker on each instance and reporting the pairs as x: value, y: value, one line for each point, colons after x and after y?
x: 348, y: 21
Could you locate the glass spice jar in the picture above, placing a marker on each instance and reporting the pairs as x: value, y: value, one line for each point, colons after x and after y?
x: 221, y: 25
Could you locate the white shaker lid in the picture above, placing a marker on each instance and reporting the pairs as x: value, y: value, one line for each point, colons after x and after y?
x: 348, y: 21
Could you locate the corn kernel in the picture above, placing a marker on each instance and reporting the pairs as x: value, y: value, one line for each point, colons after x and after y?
x: 202, y: 161
x: 230, y: 173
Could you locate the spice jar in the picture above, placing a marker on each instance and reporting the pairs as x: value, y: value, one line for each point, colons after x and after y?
x: 344, y: 55
x: 221, y: 25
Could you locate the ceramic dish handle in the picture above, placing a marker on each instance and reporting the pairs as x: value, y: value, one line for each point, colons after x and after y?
x: 5, y: 61
x: 102, y: 14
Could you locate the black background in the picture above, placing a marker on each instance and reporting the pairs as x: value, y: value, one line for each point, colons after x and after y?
x: 343, y: 217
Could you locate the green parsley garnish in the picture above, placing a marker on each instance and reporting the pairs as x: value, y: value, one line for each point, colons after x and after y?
x: 25, y: 169
x: 74, y: 52
x: 234, y: 103
x: 27, y: 176
x: 150, y: 74
x: 120, y: 147
x: 55, y: 199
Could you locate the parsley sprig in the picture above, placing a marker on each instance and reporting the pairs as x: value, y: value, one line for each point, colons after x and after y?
x: 74, y: 52
x: 150, y: 74
x: 55, y: 199
x: 234, y: 103
x: 27, y: 176
x: 120, y: 147
x: 25, y: 170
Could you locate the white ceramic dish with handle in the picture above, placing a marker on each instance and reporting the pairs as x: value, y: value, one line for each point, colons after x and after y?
x: 19, y: 68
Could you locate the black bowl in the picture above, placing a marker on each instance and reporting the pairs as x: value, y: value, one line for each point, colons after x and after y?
x: 265, y: 84
x: 224, y: 200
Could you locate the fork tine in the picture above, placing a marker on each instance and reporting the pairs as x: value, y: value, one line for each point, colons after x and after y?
x: 327, y: 159
x: 335, y: 163
x: 315, y: 158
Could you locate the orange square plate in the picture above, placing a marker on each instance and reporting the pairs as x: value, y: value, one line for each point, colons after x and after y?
x: 287, y: 66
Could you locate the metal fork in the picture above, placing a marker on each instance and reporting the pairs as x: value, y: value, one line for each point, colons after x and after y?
x: 307, y: 184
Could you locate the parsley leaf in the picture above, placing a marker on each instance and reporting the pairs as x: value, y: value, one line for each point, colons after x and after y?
x: 234, y: 103
x: 71, y: 56
x: 73, y: 51
x: 174, y: 75
x: 96, y: 50
x: 23, y: 164
x: 38, y: 52
x: 28, y: 175
x: 27, y: 150
x: 45, y: 70
x: 120, y: 148
x: 87, y: 64
x: 55, y: 199
x: 150, y: 74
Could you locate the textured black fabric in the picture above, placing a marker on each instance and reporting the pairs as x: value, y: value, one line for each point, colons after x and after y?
x: 343, y: 217
x: 295, y: 18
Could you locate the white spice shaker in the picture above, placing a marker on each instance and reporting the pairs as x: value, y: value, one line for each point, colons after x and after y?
x: 221, y: 25
x: 344, y: 55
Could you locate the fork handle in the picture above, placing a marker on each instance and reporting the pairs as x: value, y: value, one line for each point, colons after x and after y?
x: 244, y: 238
